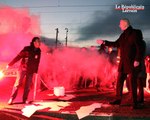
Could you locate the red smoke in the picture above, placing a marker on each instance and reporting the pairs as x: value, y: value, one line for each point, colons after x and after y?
x: 64, y: 66
x: 17, y: 28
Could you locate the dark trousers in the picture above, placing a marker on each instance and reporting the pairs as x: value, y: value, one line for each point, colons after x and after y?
x: 133, y: 85
x: 27, y: 86
x: 141, y: 89
x: 17, y: 84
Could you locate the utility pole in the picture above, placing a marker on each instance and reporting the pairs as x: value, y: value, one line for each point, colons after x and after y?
x: 66, y: 36
x: 56, y: 36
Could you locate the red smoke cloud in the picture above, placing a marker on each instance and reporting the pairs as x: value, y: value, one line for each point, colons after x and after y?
x: 64, y: 66
x: 17, y: 28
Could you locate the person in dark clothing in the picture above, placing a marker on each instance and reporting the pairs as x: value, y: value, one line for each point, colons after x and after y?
x: 141, y: 84
x: 141, y: 81
x: 30, y: 58
x: 130, y: 60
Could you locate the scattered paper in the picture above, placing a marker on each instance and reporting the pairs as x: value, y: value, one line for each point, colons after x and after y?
x: 50, y: 94
x: 54, y: 106
x: 30, y: 110
x: 67, y: 97
x: 86, y: 110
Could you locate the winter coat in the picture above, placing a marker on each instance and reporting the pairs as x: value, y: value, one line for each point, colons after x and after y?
x: 30, y: 59
x: 129, y: 44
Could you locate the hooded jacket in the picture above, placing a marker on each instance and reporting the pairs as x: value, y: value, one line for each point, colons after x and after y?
x: 30, y: 59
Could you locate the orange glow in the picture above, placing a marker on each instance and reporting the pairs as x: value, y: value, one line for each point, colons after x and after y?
x: 1, y: 74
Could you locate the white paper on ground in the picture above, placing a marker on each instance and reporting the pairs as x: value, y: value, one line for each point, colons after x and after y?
x: 30, y: 110
x: 67, y: 97
x: 54, y: 106
x: 50, y: 94
x: 86, y: 110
